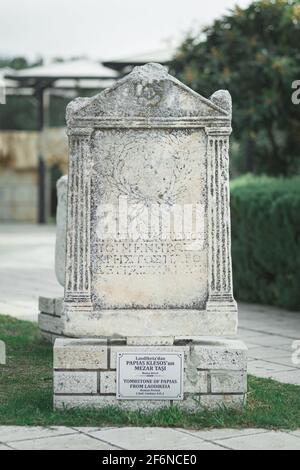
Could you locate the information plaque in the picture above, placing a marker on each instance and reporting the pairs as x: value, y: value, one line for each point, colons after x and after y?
x: 150, y: 376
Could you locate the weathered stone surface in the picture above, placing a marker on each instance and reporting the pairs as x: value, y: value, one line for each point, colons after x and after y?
x: 148, y: 250
x: 108, y: 382
x: 47, y: 305
x: 2, y: 353
x: 61, y: 227
x: 80, y: 354
x: 150, y: 340
x: 153, y: 322
x: 228, y: 382
x: 226, y: 355
x: 49, y: 337
x: 70, y: 382
x: 59, y: 306
x: 195, y: 381
x: 101, y: 401
x: 49, y: 323
x: 192, y: 403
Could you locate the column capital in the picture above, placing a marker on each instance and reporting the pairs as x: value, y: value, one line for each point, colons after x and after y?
x: 79, y: 131
x: 218, y: 131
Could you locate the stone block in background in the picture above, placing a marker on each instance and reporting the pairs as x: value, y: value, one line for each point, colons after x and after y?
x: 61, y: 228
x: 2, y: 353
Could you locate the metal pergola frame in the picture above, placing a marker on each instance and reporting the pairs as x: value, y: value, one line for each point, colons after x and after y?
x: 39, y: 84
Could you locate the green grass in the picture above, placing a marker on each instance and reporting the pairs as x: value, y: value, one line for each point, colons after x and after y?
x: 26, y: 395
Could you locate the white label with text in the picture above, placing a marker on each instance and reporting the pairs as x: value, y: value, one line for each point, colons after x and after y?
x: 150, y: 376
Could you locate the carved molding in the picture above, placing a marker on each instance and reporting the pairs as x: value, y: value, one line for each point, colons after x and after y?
x: 220, y: 290
x: 218, y: 131
x: 78, y: 275
x: 86, y: 125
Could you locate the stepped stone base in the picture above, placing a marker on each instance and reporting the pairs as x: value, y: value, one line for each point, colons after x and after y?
x: 53, y: 323
x: 215, y: 372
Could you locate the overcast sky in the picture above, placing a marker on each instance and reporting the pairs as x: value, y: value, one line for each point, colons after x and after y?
x: 101, y: 29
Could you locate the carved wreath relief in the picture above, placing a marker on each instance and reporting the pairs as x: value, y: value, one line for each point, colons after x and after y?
x: 149, y: 209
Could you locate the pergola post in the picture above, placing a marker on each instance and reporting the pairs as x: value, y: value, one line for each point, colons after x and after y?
x: 41, y: 162
x: 45, y: 77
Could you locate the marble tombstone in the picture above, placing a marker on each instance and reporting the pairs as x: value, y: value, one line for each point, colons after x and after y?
x: 148, y: 253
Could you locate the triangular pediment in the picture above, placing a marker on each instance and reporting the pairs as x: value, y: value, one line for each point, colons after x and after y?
x: 149, y: 92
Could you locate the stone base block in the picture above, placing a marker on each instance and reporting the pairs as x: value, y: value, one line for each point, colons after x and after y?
x: 57, y: 321
x: 215, y: 373
x: 149, y: 322
x: 50, y: 321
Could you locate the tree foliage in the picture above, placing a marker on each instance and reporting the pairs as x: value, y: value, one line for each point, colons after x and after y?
x: 265, y: 215
x: 255, y: 54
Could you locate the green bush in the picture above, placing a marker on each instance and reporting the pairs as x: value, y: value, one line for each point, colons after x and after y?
x: 254, y: 53
x: 265, y: 215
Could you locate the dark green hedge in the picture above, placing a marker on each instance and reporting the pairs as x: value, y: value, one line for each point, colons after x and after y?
x: 265, y: 215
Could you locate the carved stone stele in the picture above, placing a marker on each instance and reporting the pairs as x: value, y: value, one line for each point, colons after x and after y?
x: 61, y: 222
x: 148, y: 223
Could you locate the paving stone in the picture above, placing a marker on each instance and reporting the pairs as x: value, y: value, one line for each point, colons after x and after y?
x: 18, y: 433
x: 285, y: 361
x: 268, y: 441
x: 26, y: 273
x: 250, y: 346
x: 38, y: 438
x: 86, y: 430
x: 289, y: 377
x: 268, y: 354
x: 266, y: 369
x: 218, y: 434
x: 274, y: 341
x: 72, y: 442
x: 153, y: 438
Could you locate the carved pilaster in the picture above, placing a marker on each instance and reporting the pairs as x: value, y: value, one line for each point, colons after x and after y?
x: 78, y: 275
x: 220, y: 291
